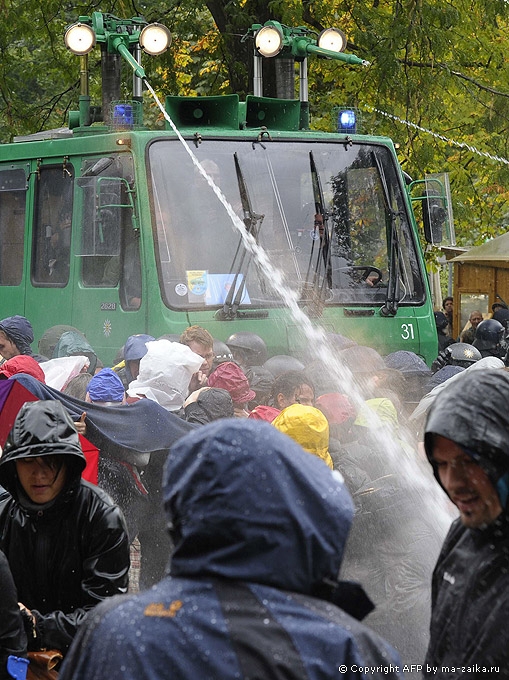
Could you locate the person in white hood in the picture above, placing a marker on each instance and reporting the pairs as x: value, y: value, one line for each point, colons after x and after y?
x: 165, y: 373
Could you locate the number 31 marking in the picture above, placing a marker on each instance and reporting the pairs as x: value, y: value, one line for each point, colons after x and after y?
x: 407, y: 331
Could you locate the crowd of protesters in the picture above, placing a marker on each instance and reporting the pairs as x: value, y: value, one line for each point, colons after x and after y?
x: 356, y: 413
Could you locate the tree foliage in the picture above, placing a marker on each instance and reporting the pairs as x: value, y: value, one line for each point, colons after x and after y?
x: 436, y: 83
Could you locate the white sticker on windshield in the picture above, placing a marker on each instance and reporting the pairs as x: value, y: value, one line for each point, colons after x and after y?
x: 181, y: 289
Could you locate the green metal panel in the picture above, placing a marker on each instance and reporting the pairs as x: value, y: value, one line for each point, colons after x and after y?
x: 204, y: 112
x: 98, y: 311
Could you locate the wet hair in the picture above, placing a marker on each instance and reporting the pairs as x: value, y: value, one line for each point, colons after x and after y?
x: 77, y: 386
x: 197, y: 334
x: 287, y: 383
x: 53, y: 463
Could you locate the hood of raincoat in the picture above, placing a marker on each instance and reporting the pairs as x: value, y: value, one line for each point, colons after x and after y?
x: 473, y: 411
x: 230, y: 377
x: 21, y: 364
x: 379, y: 412
x: 211, y: 404
x: 19, y: 331
x: 247, y: 503
x: 41, y: 428
x: 136, y: 346
x: 407, y: 362
x: 50, y: 337
x: 308, y: 427
x: 106, y: 386
x: 336, y: 407
x: 452, y: 375
x: 414, y: 370
x: 442, y: 375
x: 74, y: 343
x: 263, y: 412
x: 165, y: 373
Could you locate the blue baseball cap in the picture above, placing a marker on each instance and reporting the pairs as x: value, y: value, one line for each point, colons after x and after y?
x: 136, y: 347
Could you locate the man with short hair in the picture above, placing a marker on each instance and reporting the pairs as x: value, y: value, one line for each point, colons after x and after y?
x: 292, y: 387
x: 468, y: 335
x: 467, y: 443
x: 201, y: 342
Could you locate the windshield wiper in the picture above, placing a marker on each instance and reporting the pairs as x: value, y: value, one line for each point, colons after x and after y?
x: 321, y: 220
x: 390, y: 307
x: 252, y: 222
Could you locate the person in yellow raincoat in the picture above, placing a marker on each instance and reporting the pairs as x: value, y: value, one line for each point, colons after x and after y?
x: 308, y: 427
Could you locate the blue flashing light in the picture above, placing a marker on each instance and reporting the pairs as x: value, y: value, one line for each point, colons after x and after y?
x: 347, y: 121
x: 123, y: 116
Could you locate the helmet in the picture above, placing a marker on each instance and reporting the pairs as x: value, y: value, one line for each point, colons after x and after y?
x: 221, y: 352
x: 260, y: 380
x: 282, y: 363
x: 361, y: 359
x: 489, y: 334
x: 502, y: 316
x: 248, y: 348
x: 462, y: 354
x: 441, y: 321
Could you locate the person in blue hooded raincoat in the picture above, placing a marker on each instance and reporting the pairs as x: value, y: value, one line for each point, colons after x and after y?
x: 16, y: 336
x: 259, y: 528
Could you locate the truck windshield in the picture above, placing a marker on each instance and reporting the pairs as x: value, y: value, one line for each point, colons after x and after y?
x: 327, y: 215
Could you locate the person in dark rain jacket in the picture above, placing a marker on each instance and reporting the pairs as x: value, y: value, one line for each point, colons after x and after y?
x: 132, y: 434
x: 65, y: 540
x: 467, y: 443
x: 259, y: 527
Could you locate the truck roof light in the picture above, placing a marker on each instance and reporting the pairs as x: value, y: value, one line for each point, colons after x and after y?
x: 269, y: 41
x: 80, y: 39
x: 155, y: 39
x: 332, y: 39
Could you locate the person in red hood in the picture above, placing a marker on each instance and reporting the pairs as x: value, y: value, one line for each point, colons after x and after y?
x: 21, y: 363
x: 263, y: 412
x: 230, y: 377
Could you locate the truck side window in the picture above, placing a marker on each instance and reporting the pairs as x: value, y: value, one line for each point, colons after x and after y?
x: 130, y: 284
x: 51, y: 242
x: 13, y: 187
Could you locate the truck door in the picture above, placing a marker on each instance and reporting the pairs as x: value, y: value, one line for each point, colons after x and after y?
x: 13, y: 190
x: 48, y: 293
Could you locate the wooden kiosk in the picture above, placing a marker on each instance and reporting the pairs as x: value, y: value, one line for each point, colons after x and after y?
x: 481, y: 277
